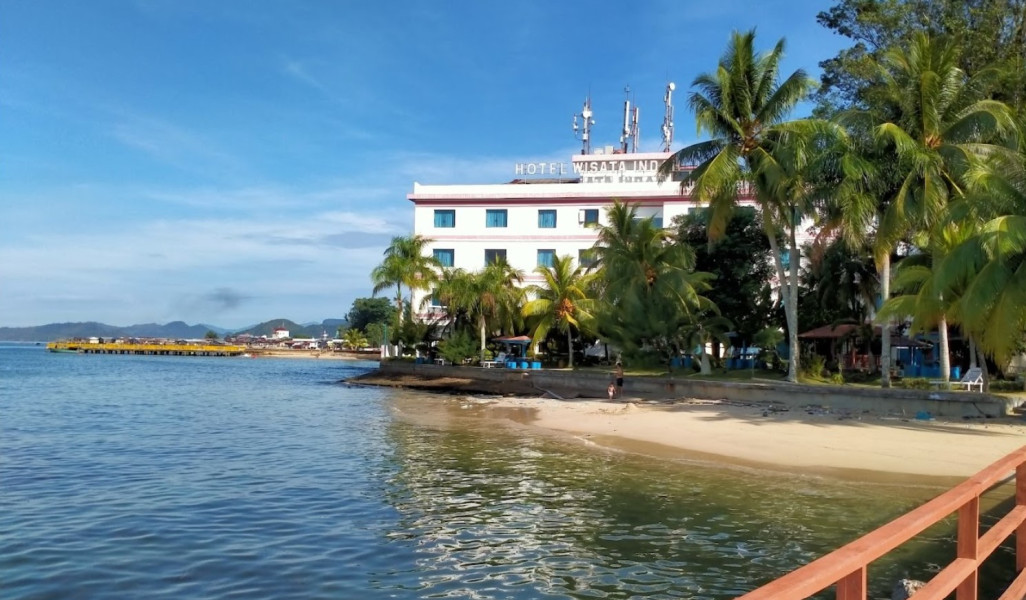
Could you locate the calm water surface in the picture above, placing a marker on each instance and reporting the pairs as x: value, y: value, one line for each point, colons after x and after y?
x: 182, y: 477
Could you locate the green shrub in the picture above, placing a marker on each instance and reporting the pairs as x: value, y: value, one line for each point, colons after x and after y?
x: 837, y: 378
x: 457, y: 347
x: 913, y: 383
x: 813, y: 367
x: 1005, y: 385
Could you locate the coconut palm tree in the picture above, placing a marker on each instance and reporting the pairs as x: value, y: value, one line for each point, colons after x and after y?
x: 649, y: 285
x: 743, y: 107
x: 405, y: 264
x: 703, y: 331
x: 491, y: 298
x: 990, y: 266
x: 921, y: 293
x: 562, y: 303
x: 938, y: 131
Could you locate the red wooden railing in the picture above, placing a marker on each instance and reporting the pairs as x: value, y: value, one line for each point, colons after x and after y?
x: 847, y: 566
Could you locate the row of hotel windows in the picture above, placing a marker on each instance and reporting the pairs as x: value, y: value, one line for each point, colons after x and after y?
x: 498, y: 217
x: 447, y: 256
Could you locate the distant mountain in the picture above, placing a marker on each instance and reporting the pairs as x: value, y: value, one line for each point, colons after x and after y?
x: 175, y: 330
x: 329, y: 326
x: 57, y: 331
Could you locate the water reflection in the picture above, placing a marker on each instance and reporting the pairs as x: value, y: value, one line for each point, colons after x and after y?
x: 494, y: 512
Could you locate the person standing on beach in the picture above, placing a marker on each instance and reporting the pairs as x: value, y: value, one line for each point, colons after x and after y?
x: 619, y: 380
x: 611, y: 390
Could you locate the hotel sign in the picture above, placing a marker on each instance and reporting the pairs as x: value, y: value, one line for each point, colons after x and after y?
x: 618, y: 169
x: 553, y: 169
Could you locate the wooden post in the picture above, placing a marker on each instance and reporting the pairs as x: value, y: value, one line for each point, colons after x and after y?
x: 1020, y: 533
x: 853, y: 586
x: 968, y: 544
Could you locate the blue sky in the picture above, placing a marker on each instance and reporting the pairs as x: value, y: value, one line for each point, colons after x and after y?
x: 232, y: 162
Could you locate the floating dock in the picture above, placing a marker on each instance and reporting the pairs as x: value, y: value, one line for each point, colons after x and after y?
x: 151, y: 348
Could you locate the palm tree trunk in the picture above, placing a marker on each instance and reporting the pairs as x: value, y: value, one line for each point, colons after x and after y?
x: 945, y: 357
x: 398, y: 319
x: 570, y: 347
x: 481, y: 323
x: 784, y: 296
x: 972, y: 353
x: 791, y: 308
x: 983, y: 368
x: 885, y: 327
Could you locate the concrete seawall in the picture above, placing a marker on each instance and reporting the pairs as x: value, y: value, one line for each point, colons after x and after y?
x: 835, y: 397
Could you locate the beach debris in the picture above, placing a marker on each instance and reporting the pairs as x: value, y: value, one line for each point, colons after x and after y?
x: 904, y: 588
x: 924, y: 415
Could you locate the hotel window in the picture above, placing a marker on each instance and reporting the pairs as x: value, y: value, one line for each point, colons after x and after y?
x: 495, y: 218
x: 657, y: 222
x: 492, y: 256
x: 700, y: 212
x: 588, y: 216
x: 546, y: 258
x: 445, y: 257
x: 587, y: 258
x: 546, y: 219
x: 445, y: 218
x: 435, y: 300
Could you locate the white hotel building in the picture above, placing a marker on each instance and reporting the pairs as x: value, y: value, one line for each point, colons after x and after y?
x: 548, y: 210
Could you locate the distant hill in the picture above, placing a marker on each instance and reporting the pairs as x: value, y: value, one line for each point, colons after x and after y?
x: 57, y: 331
x: 174, y: 329
x: 329, y: 326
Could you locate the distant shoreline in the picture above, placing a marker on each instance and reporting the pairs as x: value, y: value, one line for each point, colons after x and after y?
x: 313, y: 354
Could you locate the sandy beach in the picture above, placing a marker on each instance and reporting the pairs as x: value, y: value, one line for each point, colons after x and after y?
x: 797, y: 440
x: 814, y: 439
x: 311, y: 354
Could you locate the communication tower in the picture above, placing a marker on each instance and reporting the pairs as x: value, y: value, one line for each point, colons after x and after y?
x: 583, y: 132
x: 668, y: 117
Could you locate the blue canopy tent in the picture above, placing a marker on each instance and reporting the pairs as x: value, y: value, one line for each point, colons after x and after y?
x: 521, y: 342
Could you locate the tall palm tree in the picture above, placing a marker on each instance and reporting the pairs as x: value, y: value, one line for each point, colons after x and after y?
x: 649, y: 285
x: 405, y: 264
x: 922, y: 296
x: 990, y: 266
x: 491, y: 298
x: 937, y: 130
x: 562, y: 303
x: 743, y: 107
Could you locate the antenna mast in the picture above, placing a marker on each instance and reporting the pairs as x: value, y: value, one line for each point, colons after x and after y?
x: 668, y: 117
x: 625, y: 136
x: 635, y: 132
x: 583, y: 132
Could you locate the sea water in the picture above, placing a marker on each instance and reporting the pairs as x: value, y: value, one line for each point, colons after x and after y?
x: 187, y: 477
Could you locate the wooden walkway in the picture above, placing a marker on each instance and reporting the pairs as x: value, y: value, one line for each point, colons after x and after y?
x: 159, y: 349
x: 846, y: 567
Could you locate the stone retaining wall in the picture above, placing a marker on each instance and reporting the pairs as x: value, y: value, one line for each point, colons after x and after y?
x: 835, y: 397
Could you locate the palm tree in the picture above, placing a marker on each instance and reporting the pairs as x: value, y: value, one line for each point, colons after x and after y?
x: 562, y: 303
x: 406, y: 263
x: 491, y: 298
x: 354, y: 339
x: 937, y: 130
x: 743, y: 107
x: 703, y: 331
x: 921, y: 294
x: 649, y: 286
x: 990, y: 266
